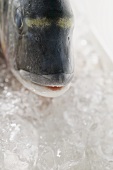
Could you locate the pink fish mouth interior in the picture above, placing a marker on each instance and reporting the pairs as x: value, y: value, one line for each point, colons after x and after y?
x: 55, y: 88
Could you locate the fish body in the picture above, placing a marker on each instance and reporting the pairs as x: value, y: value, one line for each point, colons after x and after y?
x: 36, y: 38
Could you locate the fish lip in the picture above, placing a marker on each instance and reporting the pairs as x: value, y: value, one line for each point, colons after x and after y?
x: 52, y: 80
x: 39, y: 89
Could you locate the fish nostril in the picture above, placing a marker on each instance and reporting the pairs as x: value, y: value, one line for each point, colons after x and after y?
x: 37, y: 39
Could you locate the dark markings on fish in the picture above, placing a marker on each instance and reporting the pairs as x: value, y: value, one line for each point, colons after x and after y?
x: 38, y: 34
x: 5, y: 7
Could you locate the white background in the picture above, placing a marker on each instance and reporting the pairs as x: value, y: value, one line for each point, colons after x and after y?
x: 100, y: 15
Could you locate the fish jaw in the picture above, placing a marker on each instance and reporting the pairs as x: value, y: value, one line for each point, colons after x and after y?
x: 45, y: 91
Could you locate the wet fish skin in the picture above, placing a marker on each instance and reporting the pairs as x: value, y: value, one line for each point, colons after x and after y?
x: 36, y: 37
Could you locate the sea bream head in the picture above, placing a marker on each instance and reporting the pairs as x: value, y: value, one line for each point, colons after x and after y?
x: 41, y: 40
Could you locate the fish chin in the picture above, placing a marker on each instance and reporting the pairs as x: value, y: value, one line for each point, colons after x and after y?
x: 44, y: 91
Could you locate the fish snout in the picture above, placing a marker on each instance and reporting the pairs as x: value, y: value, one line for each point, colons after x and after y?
x: 53, y: 80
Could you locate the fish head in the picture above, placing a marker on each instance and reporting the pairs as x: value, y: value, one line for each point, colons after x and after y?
x: 43, y: 53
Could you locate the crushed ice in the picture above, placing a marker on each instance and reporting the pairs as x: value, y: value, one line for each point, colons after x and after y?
x: 71, y: 132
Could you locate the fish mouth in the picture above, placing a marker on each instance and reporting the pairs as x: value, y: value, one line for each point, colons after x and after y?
x: 44, y: 85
